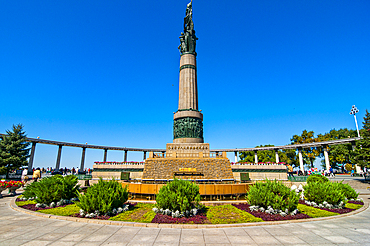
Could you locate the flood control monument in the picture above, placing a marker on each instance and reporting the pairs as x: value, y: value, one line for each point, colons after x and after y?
x: 188, y: 157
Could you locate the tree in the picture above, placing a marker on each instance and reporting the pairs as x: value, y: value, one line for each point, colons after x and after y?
x: 287, y: 156
x: 13, y: 150
x: 339, y: 154
x: 362, y: 151
x: 309, y: 155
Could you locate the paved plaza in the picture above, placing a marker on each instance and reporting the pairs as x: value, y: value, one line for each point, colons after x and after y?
x: 17, y: 228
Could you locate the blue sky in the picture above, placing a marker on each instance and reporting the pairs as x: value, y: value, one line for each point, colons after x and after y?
x: 106, y: 72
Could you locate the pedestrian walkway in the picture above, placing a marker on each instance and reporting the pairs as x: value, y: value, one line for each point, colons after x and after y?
x: 17, y: 228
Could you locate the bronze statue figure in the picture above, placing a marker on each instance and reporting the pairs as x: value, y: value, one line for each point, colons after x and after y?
x: 188, y: 38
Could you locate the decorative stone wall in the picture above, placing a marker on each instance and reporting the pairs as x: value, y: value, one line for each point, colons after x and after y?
x: 210, y: 168
x: 261, y: 172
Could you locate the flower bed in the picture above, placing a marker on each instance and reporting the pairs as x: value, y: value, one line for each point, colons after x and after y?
x: 269, y: 217
x: 200, y: 218
x: 11, y: 183
x: 221, y: 214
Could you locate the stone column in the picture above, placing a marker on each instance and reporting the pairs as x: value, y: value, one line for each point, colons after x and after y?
x: 300, y: 159
x: 82, y: 166
x: 277, y: 156
x: 105, y: 155
x: 188, y: 120
x: 255, y: 157
x: 188, y: 91
x: 144, y: 155
x: 30, y: 161
x: 57, y: 165
x: 125, y: 158
x: 327, y: 163
x: 236, y: 156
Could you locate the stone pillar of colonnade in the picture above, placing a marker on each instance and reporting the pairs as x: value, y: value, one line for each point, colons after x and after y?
x: 105, y: 155
x: 32, y: 156
x: 57, y: 165
x: 236, y: 156
x: 82, y: 166
x: 277, y: 156
x: 125, y: 156
x: 327, y: 163
x: 300, y: 160
x: 255, y: 157
x: 144, y: 155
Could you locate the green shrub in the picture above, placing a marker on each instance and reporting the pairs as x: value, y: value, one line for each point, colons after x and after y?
x: 319, y: 192
x: 317, y: 178
x: 62, y: 211
x: 53, y: 189
x: 348, y: 191
x: 274, y: 194
x: 103, y: 196
x: 228, y: 214
x: 142, y: 212
x: 314, y: 212
x: 179, y: 195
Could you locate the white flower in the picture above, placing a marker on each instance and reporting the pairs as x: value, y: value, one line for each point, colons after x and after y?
x: 283, y: 214
x: 294, y: 187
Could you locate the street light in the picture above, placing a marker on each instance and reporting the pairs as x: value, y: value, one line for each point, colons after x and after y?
x: 354, y: 111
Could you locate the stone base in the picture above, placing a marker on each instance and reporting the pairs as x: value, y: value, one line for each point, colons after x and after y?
x: 208, y: 168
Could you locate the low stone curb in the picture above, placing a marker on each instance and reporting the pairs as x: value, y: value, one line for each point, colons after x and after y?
x: 180, y: 226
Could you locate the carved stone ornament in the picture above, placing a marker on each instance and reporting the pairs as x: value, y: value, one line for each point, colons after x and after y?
x: 188, y: 128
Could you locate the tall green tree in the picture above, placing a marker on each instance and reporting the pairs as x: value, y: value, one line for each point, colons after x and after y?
x: 362, y: 151
x: 340, y: 154
x: 14, y: 150
x: 309, y: 154
x: 287, y: 156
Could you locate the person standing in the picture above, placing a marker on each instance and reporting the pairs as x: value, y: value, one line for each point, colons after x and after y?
x: 36, y: 174
x: 24, y: 177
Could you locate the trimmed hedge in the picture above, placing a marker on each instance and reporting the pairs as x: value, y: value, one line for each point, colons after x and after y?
x: 103, y: 197
x: 52, y: 189
x: 317, y: 178
x: 178, y: 195
x: 274, y: 194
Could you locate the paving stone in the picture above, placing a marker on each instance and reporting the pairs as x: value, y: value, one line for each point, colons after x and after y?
x: 209, y: 239
x: 235, y: 239
x: 265, y: 240
x: 338, y: 239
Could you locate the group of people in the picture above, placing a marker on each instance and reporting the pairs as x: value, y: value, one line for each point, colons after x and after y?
x: 37, y: 172
x: 35, y: 175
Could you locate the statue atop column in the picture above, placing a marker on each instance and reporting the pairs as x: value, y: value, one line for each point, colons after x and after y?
x: 188, y: 38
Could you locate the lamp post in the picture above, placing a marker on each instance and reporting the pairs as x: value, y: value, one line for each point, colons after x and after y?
x: 354, y: 111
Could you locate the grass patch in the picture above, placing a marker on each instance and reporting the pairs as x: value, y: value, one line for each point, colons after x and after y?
x: 22, y: 203
x: 353, y: 206
x: 314, y: 212
x: 228, y: 214
x: 62, y: 211
x: 142, y: 212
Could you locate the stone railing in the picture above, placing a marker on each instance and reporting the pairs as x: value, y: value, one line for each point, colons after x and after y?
x: 118, y: 163
x: 187, y: 155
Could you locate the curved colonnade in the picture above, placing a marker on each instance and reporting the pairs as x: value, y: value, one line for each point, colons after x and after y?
x: 298, y: 147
